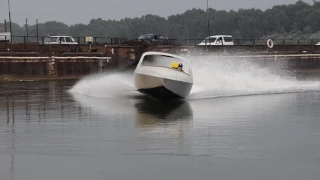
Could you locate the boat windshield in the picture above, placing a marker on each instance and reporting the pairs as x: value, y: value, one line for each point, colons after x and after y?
x: 165, y: 61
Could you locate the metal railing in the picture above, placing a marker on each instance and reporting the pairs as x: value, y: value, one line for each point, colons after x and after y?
x: 195, y: 42
x: 79, y: 40
x: 186, y: 42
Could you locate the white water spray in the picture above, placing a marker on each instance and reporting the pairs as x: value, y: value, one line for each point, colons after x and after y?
x: 213, y: 77
x: 118, y: 85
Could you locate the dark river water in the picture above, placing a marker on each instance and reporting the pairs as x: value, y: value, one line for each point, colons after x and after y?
x: 47, y: 132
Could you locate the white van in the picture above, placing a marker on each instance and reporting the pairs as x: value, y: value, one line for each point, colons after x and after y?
x: 59, y: 39
x: 217, y: 40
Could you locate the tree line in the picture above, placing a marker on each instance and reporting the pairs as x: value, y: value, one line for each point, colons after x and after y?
x: 299, y: 20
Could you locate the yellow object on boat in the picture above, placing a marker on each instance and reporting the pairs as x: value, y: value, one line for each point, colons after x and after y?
x: 175, y: 65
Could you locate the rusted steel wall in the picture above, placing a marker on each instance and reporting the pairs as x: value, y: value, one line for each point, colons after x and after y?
x: 124, y: 56
x: 47, y: 48
x: 25, y: 69
x: 310, y: 63
x: 79, y: 67
x: 51, y: 67
x: 55, y: 64
x: 60, y: 62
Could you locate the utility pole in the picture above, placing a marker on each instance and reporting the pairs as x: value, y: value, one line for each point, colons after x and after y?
x: 10, y: 21
x: 37, y: 31
x: 5, y: 25
x: 27, y: 29
x: 208, y: 20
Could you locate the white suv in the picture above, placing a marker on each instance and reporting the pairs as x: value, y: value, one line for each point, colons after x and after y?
x: 59, y: 39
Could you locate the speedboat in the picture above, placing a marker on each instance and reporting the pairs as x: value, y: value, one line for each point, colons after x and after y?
x: 163, y: 75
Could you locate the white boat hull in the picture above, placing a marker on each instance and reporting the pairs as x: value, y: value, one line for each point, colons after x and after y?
x: 163, y: 82
x: 162, y: 88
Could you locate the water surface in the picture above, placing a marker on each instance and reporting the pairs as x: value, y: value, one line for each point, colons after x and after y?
x: 241, y: 121
x: 49, y: 133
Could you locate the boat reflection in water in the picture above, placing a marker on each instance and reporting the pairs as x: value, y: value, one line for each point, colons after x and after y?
x: 142, y: 125
x: 152, y: 112
x: 165, y: 127
x: 147, y: 111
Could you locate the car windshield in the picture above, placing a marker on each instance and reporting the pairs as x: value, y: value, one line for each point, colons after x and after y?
x: 51, y: 39
x: 146, y: 37
x: 207, y: 40
x: 165, y: 61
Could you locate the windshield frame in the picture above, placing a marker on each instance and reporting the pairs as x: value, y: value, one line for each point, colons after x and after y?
x: 169, y: 60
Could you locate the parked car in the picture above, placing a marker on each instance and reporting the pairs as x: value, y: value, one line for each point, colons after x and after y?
x: 217, y: 40
x: 154, y: 38
x: 318, y: 44
x: 59, y: 40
